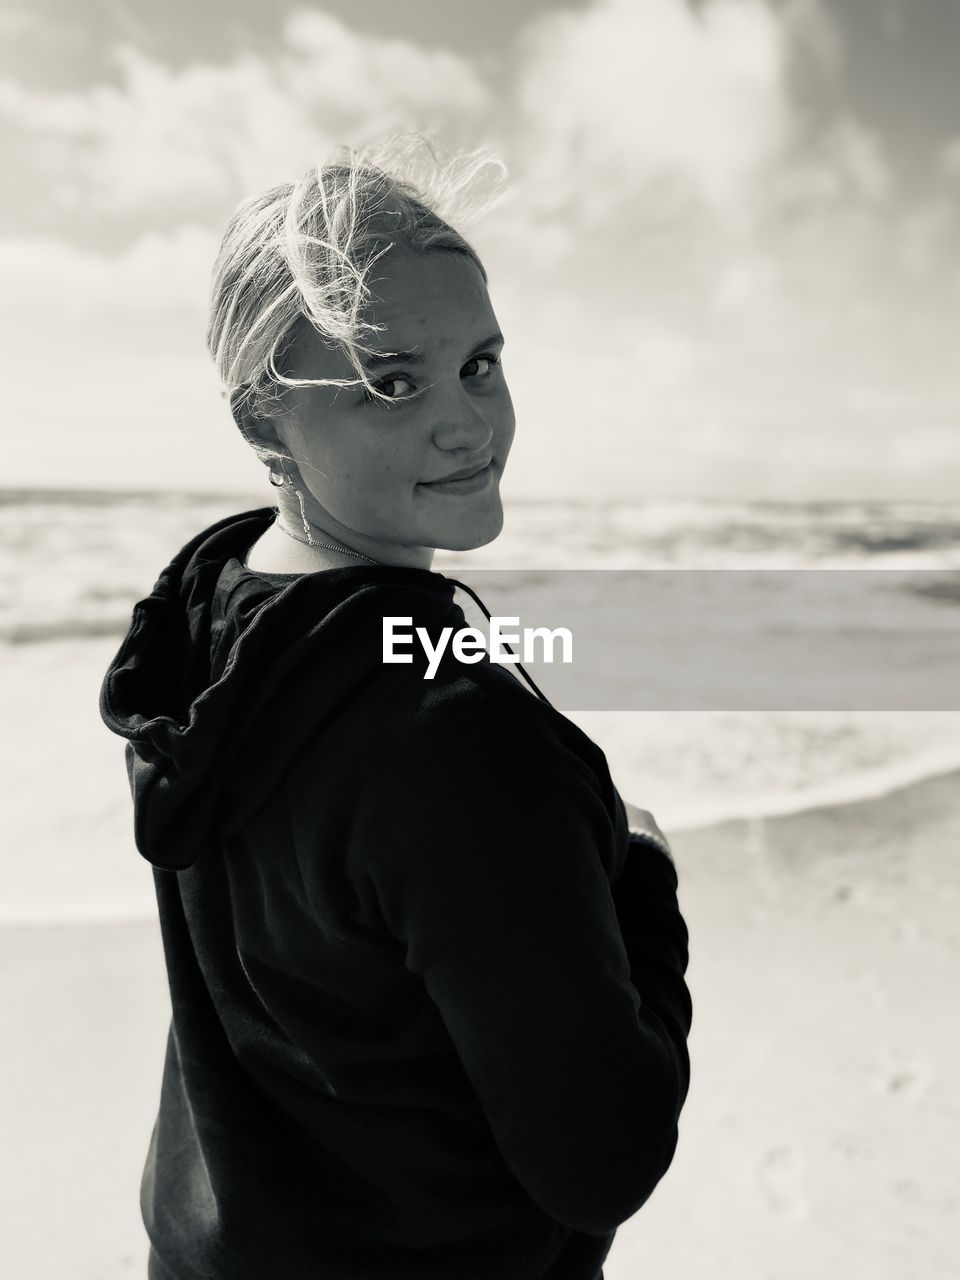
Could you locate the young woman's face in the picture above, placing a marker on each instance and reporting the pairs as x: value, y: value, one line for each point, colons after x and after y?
x: 381, y: 471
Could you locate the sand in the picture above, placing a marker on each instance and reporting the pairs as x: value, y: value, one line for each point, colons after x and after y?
x: 820, y: 1135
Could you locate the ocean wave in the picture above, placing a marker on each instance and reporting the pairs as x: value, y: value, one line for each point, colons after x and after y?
x: 73, y: 562
x: 849, y: 789
x: 26, y: 632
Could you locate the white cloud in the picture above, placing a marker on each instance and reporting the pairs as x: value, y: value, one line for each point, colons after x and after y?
x: 373, y: 78
x: 690, y: 269
x: 17, y: 23
x: 157, y: 271
x: 746, y: 280
x: 636, y: 97
x: 857, y: 154
x: 950, y: 157
x: 192, y: 141
x: 930, y: 234
x: 812, y: 30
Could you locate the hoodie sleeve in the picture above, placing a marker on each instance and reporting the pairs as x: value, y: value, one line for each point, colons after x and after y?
x: 657, y: 943
x: 486, y: 844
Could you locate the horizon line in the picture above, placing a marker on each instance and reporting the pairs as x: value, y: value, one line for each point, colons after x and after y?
x: 11, y: 493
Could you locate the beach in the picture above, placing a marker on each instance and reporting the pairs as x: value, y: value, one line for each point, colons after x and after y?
x: 816, y: 853
x: 820, y: 1132
x: 67, y: 809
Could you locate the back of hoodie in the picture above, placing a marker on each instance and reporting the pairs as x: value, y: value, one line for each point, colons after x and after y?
x: 429, y: 1016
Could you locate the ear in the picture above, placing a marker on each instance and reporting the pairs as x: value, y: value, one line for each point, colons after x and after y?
x: 259, y: 432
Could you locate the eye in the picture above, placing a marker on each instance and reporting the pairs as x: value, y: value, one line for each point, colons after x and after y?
x: 385, y: 383
x: 490, y: 360
x: 486, y: 364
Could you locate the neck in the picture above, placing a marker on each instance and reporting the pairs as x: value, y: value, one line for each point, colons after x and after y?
x: 284, y: 540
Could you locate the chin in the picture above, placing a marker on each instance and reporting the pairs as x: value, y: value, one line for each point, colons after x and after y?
x: 478, y: 533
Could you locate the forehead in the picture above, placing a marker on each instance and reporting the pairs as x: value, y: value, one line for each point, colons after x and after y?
x: 430, y: 301
x: 431, y: 292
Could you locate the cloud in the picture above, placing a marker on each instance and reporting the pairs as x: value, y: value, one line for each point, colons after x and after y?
x: 156, y: 272
x: 858, y: 155
x: 841, y: 165
x: 950, y: 158
x: 17, y: 23
x: 187, y: 143
x: 929, y: 236
x: 677, y: 208
x: 638, y: 98
x: 707, y: 269
x: 813, y: 35
x: 372, y: 78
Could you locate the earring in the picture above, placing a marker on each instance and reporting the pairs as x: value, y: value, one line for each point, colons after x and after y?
x: 277, y: 478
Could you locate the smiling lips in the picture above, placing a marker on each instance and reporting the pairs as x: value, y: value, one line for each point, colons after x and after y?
x: 463, y: 474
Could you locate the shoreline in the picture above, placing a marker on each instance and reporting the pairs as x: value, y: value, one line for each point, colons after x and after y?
x: 910, y: 794
x: 852, y: 790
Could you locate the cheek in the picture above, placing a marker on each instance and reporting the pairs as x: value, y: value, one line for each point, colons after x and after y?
x: 389, y: 468
x: 506, y: 417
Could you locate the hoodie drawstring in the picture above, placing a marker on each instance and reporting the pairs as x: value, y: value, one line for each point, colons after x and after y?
x: 486, y: 613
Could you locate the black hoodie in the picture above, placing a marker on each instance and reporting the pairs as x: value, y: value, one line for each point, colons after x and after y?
x: 429, y: 1016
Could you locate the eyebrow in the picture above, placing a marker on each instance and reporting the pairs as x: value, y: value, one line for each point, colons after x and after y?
x: 416, y: 357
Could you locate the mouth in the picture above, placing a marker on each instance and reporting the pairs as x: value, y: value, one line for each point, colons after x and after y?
x: 463, y: 474
x: 465, y: 481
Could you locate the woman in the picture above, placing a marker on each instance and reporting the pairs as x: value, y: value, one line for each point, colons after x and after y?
x: 426, y: 969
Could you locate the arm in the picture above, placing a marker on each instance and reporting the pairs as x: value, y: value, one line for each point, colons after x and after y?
x: 489, y: 848
x: 653, y: 930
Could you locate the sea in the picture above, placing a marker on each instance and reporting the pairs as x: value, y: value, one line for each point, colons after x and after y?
x: 73, y: 563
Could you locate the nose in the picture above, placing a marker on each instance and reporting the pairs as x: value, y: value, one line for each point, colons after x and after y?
x: 462, y: 422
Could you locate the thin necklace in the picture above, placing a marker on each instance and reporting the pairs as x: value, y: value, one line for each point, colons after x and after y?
x: 315, y: 542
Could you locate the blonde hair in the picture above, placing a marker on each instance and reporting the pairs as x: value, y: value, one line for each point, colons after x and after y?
x: 301, y: 252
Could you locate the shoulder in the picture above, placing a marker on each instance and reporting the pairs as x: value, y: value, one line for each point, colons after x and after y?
x: 483, y: 790
x: 398, y: 729
x: 477, y: 735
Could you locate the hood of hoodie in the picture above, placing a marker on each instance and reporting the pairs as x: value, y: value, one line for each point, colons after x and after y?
x: 214, y: 704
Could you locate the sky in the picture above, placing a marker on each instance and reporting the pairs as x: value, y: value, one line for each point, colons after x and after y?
x: 725, y: 262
